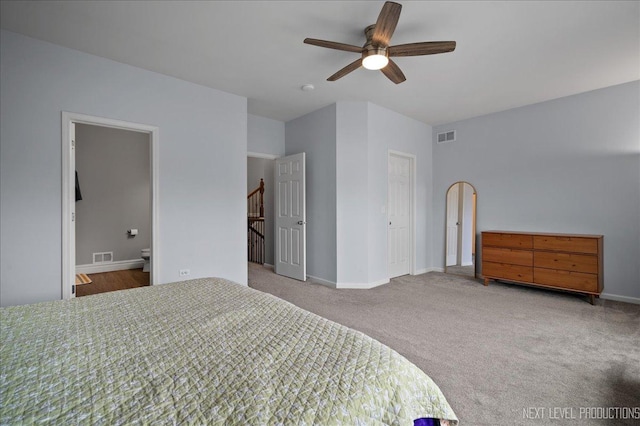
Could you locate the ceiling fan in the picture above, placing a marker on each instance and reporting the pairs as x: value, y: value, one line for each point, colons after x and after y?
x: 376, y: 52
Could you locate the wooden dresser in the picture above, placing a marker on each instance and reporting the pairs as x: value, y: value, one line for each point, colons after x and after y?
x: 562, y: 261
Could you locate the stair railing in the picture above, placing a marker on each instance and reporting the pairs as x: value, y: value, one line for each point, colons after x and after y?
x: 255, y: 224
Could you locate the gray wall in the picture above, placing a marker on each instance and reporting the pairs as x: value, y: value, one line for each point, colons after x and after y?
x: 570, y: 165
x: 315, y: 134
x: 114, y: 170
x: 390, y: 130
x: 202, y: 163
x: 347, y: 147
x: 352, y: 192
x: 265, y: 136
x: 262, y: 168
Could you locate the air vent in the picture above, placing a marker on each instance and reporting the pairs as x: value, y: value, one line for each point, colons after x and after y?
x: 445, y: 137
x: 105, y: 257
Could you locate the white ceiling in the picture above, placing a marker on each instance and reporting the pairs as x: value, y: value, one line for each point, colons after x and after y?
x: 508, y: 54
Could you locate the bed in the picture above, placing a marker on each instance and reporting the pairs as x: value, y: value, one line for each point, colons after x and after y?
x: 205, y: 351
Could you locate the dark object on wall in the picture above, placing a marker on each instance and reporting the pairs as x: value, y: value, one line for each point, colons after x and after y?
x: 78, y: 193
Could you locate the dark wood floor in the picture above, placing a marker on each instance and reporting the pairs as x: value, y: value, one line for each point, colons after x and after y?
x: 112, y: 281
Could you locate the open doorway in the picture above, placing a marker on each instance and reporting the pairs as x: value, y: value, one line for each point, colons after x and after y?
x: 109, y: 207
x: 460, y: 241
x: 113, y: 209
x: 260, y: 209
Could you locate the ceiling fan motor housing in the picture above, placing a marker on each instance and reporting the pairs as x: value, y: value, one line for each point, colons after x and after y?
x: 369, y: 49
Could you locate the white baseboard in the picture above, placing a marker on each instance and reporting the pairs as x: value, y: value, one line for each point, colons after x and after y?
x: 342, y: 286
x: 425, y: 270
x: 270, y: 266
x: 321, y: 281
x: 618, y: 298
x: 120, y: 265
x: 362, y: 286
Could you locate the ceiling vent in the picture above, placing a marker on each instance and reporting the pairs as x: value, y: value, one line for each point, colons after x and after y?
x: 445, y: 137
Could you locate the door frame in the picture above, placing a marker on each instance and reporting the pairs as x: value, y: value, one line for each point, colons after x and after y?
x: 413, y: 167
x: 68, y: 191
x: 473, y: 225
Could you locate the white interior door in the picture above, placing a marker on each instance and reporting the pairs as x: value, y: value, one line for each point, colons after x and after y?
x: 290, y: 255
x: 466, y: 225
x: 452, y: 224
x: 399, y: 214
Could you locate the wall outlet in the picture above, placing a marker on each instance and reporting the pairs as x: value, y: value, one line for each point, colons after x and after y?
x: 184, y: 272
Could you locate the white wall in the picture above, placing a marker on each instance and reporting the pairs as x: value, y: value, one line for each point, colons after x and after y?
x: 265, y: 136
x: 570, y: 165
x: 202, y: 170
x: 315, y: 134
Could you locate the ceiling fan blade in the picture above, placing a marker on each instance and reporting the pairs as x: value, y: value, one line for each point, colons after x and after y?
x: 386, y: 23
x: 346, y: 70
x: 393, y: 72
x: 424, y: 48
x: 333, y: 45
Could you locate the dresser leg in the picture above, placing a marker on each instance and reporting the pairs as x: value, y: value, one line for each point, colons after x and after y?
x: 592, y: 299
x: 486, y: 281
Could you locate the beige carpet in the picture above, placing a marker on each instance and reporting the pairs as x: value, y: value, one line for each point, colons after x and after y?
x: 498, y: 353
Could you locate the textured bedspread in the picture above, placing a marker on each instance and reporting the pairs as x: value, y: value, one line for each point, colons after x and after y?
x: 204, y: 351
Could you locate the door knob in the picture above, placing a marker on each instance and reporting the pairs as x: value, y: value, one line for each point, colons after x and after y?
x: 301, y: 222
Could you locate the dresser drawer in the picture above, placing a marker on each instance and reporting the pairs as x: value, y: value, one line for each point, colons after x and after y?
x: 507, y: 255
x: 566, y: 279
x: 507, y: 271
x: 507, y: 240
x: 566, y: 261
x: 561, y: 243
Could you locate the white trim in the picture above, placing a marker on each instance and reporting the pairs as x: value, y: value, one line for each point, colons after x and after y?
x: 362, y: 286
x: 68, y: 183
x: 618, y: 298
x: 413, y: 168
x: 427, y: 270
x: 321, y: 281
x: 68, y: 209
x: 261, y: 155
x: 268, y: 265
x: 119, y: 265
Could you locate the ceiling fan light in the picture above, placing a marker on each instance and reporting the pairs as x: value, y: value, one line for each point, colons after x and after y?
x: 375, y: 62
x: 374, y: 57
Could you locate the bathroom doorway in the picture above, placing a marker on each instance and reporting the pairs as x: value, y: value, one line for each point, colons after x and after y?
x: 110, y: 208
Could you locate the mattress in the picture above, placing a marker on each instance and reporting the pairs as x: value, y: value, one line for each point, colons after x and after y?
x: 205, y: 351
